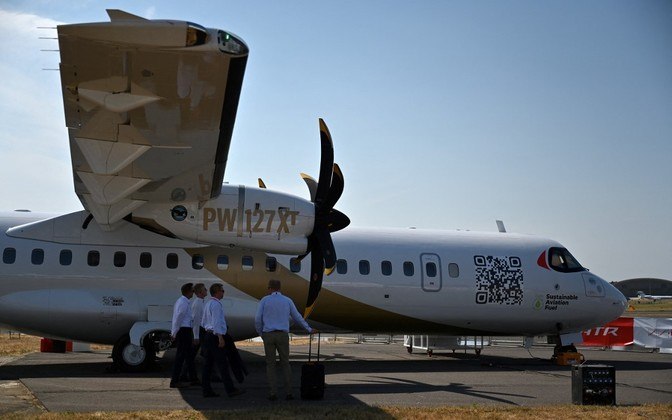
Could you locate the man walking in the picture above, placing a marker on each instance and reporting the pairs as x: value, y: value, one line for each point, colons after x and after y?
x: 197, y: 312
x: 213, y: 343
x: 182, y: 334
x: 272, y: 324
x: 200, y: 293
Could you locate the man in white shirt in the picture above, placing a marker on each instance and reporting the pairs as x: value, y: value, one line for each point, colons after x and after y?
x: 183, y: 337
x: 272, y: 324
x: 213, y: 342
x: 196, y: 317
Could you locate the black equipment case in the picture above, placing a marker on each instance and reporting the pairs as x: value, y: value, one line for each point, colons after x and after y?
x: 593, y: 385
x: 312, y: 375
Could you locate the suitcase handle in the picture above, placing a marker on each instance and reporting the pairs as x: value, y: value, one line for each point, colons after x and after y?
x: 310, y: 347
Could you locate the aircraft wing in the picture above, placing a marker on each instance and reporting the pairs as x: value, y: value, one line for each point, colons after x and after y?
x: 150, y: 107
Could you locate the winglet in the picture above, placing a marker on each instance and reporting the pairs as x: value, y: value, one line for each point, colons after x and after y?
x: 119, y: 15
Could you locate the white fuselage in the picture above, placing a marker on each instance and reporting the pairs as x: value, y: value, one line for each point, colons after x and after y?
x: 418, y: 281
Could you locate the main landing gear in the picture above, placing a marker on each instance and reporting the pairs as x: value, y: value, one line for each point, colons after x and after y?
x: 127, y: 357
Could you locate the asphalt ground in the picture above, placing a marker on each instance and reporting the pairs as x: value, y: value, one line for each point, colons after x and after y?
x: 356, y: 374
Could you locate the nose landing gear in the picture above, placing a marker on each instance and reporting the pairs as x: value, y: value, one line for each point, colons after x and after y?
x: 566, y: 355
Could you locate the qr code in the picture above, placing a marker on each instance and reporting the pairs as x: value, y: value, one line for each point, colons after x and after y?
x: 499, y: 280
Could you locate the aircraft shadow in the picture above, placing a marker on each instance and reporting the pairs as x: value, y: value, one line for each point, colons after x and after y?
x: 384, y: 376
x: 460, y: 362
x: 98, y: 365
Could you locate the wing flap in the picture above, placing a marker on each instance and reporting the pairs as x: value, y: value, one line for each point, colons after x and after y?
x: 109, y: 157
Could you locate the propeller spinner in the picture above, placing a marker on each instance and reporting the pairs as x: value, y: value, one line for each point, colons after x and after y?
x: 324, y: 193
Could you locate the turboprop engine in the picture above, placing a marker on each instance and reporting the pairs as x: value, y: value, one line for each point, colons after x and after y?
x: 240, y: 216
x: 264, y: 220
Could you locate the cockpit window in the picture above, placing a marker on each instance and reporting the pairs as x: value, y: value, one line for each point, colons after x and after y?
x: 561, y: 260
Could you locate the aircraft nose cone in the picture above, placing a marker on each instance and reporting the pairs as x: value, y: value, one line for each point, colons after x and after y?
x: 620, y: 302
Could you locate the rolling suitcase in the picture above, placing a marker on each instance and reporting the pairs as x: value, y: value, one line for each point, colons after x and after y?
x: 312, y: 375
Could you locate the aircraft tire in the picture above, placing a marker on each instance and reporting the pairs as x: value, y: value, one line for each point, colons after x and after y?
x: 128, y: 357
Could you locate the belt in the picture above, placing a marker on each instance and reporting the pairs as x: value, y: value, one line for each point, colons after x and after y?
x: 283, y: 331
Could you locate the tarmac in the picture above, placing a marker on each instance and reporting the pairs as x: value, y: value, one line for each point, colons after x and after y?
x: 356, y: 374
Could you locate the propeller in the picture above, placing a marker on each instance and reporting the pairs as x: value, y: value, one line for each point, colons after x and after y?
x: 324, y: 193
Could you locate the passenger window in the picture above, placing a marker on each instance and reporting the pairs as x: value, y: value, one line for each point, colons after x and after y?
x: 364, y: 267
x: 172, y: 261
x: 93, y: 258
x: 65, y: 257
x: 453, y: 270
x: 145, y: 260
x: 197, y: 262
x: 386, y: 268
x: 295, y: 265
x: 119, y: 259
x: 248, y: 263
x: 341, y: 266
x: 222, y: 262
x: 430, y: 268
x: 37, y: 256
x: 271, y: 264
x: 409, y: 268
x: 9, y: 255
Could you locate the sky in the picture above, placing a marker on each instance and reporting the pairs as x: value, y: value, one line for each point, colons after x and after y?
x: 555, y: 117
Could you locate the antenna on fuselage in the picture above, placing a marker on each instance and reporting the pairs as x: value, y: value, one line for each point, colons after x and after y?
x: 500, y: 226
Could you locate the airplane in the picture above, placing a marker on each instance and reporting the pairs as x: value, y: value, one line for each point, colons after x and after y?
x: 642, y: 295
x: 150, y: 107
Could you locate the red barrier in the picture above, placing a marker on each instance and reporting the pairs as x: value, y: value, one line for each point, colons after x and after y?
x: 615, y: 333
x: 47, y: 345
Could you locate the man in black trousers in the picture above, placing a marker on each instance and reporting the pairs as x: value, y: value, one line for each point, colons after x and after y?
x: 214, y: 344
x: 183, y: 337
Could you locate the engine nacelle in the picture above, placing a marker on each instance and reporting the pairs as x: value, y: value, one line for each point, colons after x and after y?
x: 240, y: 216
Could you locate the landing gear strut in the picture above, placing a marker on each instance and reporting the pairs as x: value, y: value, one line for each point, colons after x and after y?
x: 558, y: 349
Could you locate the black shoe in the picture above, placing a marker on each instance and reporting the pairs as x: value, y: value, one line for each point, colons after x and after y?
x: 289, y: 397
x: 272, y: 397
x: 177, y: 385
x: 236, y: 392
x: 195, y: 382
x: 210, y: 394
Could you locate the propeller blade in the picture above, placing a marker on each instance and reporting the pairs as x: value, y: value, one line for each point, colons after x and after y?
x: 324, y: 193
x: 326, y: 165
x: 309, y: 248
x: 326, y: 247
x: 335, y: 189
x: 336, y: 221
x: 312, y: 185
x: 316, y: 275
x: 261, y: 183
